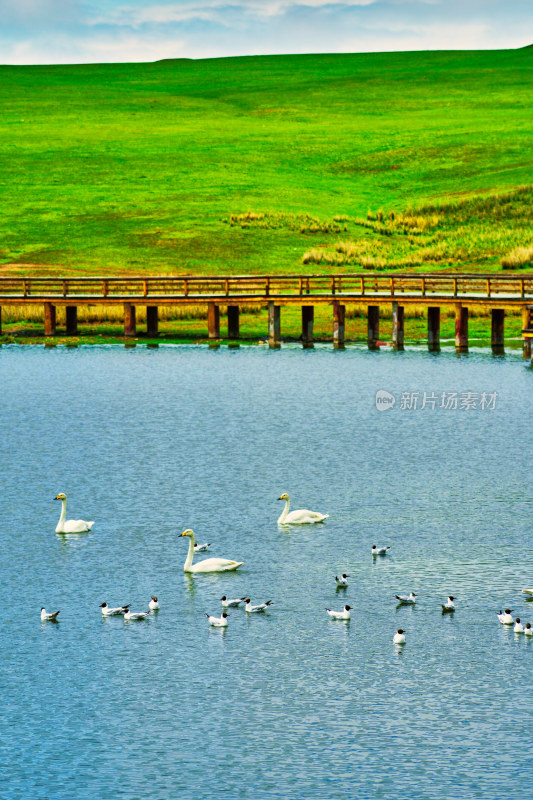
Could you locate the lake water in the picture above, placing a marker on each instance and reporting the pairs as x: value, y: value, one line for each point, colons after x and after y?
x: 290, y: 704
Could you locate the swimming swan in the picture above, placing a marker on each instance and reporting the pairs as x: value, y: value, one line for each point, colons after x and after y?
x: 210, y: 564
x: 70, y: 525
x: 301, y: 517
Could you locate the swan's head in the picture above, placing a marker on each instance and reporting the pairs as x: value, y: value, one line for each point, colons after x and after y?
x: 188, y: 533
x: 61, y: 497
x: 284, y: 496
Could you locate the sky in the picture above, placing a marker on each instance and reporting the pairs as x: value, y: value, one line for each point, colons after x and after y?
x: 85, y: 31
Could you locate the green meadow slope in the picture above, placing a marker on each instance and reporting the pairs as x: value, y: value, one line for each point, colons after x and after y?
x: 270, y: 164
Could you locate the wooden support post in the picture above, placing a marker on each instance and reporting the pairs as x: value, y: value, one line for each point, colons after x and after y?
x: 152, y: 320
x: 308, y: 316
x: 0, y: 320
x: 461, y: 328
x: 339, y: 313
x: 130, y: 324
x: 274, y: 325
x: 526, y: 341
x: 213, y: 321
x: 497, y: 330
x: 434, y: 329
x: 397, y: 326
x: 49, y: 319
x: 233, y: 322
x: 373, y: 328
x: 71, y: 314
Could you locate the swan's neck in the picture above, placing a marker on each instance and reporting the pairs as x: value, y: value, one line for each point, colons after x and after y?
x: 188, y: 561
x: 63, y: 514
x: 285, y: 510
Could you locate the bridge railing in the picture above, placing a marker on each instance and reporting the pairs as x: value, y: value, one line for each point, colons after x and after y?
x: 270, y: 286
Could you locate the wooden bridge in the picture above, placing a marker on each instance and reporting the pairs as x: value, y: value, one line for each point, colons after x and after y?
x: 433, y: 290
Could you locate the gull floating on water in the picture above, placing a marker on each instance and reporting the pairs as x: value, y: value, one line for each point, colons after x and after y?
x: 218, y: 622
x: 506, y: 618
x: 201, y: 548
x: 449, y: 606
x: 113, y: 612
x: 399, y: 636
x: 301, y: 517
x: 256, y: 609
x: 48, y: 617
x: 342, y: 583
x: 153, y: 605
x: 380, y: 551
x: 70, y: 525
x: 406, y: 599
x: 137, y: 615
x: 231, y: 603
x: 528, y: 630
x: 344, y: 614
x: 518, y: 628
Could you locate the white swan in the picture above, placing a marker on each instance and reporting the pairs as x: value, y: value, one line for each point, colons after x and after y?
x: 300, y: 517
x: 210, y: 564
x: 70, y: 525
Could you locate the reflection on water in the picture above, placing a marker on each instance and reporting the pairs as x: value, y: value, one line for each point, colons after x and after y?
x: 286, y: 704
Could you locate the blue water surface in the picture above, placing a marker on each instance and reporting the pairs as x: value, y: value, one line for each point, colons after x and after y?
x: 290, y: 704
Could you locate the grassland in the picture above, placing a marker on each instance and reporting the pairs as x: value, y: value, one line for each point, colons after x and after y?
x: 269, y: 164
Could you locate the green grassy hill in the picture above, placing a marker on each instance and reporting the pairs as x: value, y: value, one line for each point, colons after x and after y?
x: 268, y: 164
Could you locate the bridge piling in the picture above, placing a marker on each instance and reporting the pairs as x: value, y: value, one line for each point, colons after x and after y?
x: 71, y: 314
x: 233, y: 322
x: 339, y: 314
x: 461, y: 328
x: 397, y: 326
x: 497, y: 330
x: 274, y: 325
x: 527, y: 323
x: 152, y: 320
x: 213, y: 321
x: 49, y: 319
x: 434, y: 329
x: 373, y: 327
x: 130, y: 320
x: 308, y: 316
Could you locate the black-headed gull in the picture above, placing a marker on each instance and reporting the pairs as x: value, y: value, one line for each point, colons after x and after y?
x: 406, y: 599
x: 218, y: 622
x: 48, y: 617
x: 528, y: 630
x: 201, y: 548
x: 256, y: 609
x: 231, y: 603
x: 449, y: 606
x: 518, y: 628
x: 506, y: 618
x: 153, y: 605
x: 342, y: 582
x: 399, y: 636
x: 344, y: 614
x: 113, y: 612
x: 137, y: 615
x: 380, y: 551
